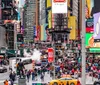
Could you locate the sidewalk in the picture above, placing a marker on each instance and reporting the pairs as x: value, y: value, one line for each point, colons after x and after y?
x: 89, y: 80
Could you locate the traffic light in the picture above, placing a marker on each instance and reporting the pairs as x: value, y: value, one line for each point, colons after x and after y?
x: 19, y: 37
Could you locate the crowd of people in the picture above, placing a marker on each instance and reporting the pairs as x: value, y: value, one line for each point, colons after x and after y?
x: 63, y: 65
x: 73, y: 66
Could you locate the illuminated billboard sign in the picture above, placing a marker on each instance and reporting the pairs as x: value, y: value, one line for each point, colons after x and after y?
x: 89, y: 25
x: 90, y: 41
x: 97, y: 27
x: 59, y: 0
x: 59, y: 6
x: 89, y: 7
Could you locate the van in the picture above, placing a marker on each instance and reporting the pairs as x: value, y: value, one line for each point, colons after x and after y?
x: 26, y: 61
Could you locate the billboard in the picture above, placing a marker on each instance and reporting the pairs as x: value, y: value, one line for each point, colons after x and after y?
x: 89, y: 6
x: 48, y: 3
x: 89, y: 25
x: 59, y: 6
x: 97, y: 27
x: 90, y: 41
x: 49, y: 19
x: 72, y: 24
x: 43, y: 32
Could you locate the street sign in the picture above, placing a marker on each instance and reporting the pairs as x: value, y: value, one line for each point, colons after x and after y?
x: 50, y: 55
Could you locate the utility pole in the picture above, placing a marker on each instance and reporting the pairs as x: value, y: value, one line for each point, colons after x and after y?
x: 83, y: 45
x: 15, y: 37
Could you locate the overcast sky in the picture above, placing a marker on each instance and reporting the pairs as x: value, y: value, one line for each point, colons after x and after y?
x: 21, y: 3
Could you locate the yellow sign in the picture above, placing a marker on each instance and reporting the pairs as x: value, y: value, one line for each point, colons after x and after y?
x: 49, y: 18
x: 72, y: 24
x: 48, y: 3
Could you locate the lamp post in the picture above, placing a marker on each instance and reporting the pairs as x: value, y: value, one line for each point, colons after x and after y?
x: 15, y: 37
x: 83, y: 45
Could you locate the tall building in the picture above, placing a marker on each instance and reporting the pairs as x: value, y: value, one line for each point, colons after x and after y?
x: 8, y: 16
x: 2, y: 30
x: 29, y: 20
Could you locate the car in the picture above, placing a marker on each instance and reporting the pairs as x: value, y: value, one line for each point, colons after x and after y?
x: 66, y: 80
x: 96, y: 83
x: 3, y: 69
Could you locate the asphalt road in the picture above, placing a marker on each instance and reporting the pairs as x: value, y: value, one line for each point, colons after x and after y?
x: 4, y: 76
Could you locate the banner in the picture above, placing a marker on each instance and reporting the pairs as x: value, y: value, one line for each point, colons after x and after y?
x: 97, y: 27
x: 43, y: 32
x: 49, y: 19
x: 89, y: 7
x: 34, y: 31
x: 38, y: 33
x: 59, y: 6
x: 48, y: 3
x: 50, y: 55
x: 72, y: 25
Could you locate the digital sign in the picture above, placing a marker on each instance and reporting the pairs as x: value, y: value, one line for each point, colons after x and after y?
x: 89, y: 25
x: 59, y: 6
x: 90, y: 41
x: 59, y: 0
x: 97, y: 27
x: 89, y: 7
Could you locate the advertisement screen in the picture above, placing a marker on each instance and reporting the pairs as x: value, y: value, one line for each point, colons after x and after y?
x: 90, y: 41
x: 89, y: 7
x: 97, y: 27
x: 59, y: 6
x: 89, y: 25
x: 59, y: 0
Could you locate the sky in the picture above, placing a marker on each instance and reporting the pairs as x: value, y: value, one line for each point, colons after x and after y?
x: 21, y: 3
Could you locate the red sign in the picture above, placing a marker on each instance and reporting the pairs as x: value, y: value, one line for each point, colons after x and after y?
x: 50, y: 55
x: 89, y: 30
x: 59, y: 0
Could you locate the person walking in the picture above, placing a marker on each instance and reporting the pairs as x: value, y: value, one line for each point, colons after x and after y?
x: 6, y: 82
x: 33, y: 75
x: 28, y: 75
x: 42, y: 77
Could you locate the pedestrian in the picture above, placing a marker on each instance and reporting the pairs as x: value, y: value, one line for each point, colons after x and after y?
x: 33, y: 75
x: 36, y: 76
x: 13, y: 76
x: 11, y: 82
x: 6, y: 82
x: 42, y: 77
x: 28, y: 75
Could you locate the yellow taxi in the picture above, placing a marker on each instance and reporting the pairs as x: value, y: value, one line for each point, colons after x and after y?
x: 65, y: 80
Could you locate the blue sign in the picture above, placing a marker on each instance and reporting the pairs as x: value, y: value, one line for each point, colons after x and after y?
x: 34, y: 31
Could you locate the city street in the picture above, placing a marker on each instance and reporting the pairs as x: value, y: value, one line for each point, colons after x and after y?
x: 61, y: 37
x: 4, y: 76
x: 47, y: 78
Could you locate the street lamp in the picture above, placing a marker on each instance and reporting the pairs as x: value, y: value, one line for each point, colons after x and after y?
x: 15, y: 37
x: 83, y: 45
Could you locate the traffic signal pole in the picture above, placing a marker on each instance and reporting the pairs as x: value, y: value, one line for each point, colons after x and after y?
x: 83, y: 32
